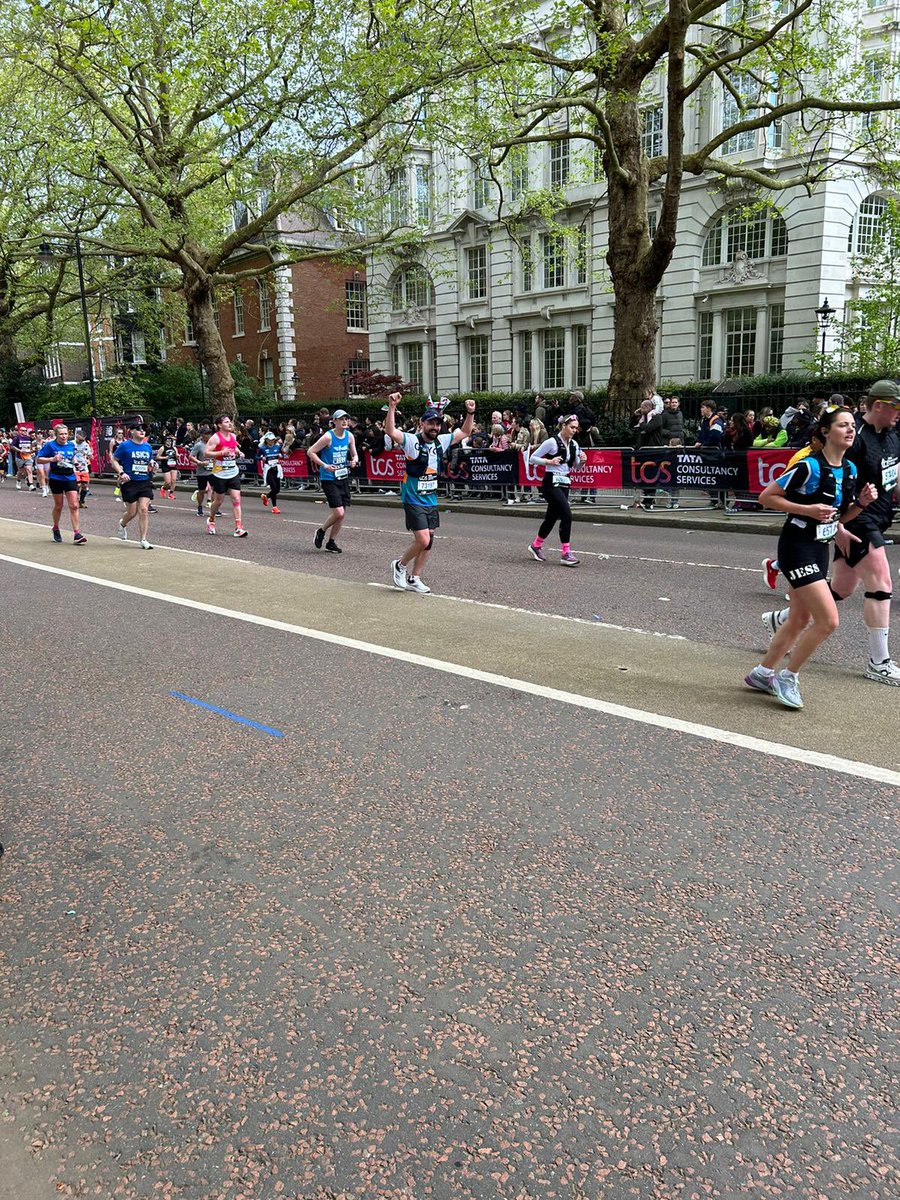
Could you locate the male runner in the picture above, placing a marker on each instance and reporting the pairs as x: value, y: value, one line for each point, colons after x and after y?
x: 59, y: 457
x: 22, y: 445
x: 201, y: 462
x: 425, y: 452
x: 222, y: 451
x: 167, y: 456
x: 84, y: 452
x: 335, y: 455
x: 133, y: 463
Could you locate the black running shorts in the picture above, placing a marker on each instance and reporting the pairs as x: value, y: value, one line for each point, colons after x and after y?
x: 802, y: 560
x: 137, y: 489
x: 420, y: 517
x: 337, y: 492
x: 59, y: 486
x: 223, y: 486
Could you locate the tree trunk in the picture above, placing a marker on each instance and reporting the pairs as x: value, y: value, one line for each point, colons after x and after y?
x: 220, y: 394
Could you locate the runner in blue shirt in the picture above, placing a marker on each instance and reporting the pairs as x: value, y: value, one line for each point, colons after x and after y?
x: 425, y: 451
x: 269, y: 455
x: 59, y: 456
x: 133, y: 462
x: 334, y: 453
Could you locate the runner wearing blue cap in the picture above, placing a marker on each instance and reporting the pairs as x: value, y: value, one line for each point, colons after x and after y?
x: 425, y: 452
x: 335, y: 455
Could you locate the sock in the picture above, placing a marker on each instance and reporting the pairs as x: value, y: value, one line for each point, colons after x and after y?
x: 768, y: 672
x: 537, y: 543
x: 878, y: 645
x: 56, y: 529
x: 782, y: 615
x: 564, y: 547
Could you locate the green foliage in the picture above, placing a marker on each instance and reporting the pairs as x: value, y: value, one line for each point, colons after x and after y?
x: 19, y: 385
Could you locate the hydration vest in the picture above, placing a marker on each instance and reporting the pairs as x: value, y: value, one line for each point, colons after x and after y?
x: 825, y: 491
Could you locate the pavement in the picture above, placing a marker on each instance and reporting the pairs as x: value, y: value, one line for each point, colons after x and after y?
x: 522, y: 904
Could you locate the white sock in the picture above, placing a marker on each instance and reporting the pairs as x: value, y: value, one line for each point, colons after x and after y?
x: 767, y: 671
x: 878, y: 645
x: 782, y: 615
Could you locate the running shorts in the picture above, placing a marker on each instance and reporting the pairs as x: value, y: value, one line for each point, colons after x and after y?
x: 420, y: 517
x: 59, y: 486
x: 802, y: 560
x: 337, y: 492
x: 137, y: 489
x: 870, y: 534
x: 223, y: 486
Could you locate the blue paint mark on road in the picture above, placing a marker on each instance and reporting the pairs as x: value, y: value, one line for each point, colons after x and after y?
x: 223, y: 712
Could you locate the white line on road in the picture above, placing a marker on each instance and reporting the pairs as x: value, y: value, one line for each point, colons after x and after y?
x: 135, y: 544
x: 793, y: 754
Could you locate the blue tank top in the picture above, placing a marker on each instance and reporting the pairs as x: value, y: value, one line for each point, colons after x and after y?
x: 336, y: 455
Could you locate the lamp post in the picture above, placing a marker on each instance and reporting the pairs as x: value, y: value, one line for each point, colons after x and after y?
x: 824, y: 314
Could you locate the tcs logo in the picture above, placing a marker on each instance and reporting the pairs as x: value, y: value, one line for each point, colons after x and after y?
x: 650, y: 473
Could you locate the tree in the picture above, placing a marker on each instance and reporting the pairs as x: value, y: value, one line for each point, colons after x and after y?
x: 208, y: 120
x: 780, y: 70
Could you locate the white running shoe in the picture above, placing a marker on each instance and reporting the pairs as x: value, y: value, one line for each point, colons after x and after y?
x: 398, y: 575
x: 210, y: 525
x: 886, y: 672
x: 122, y: 533
x: 18, y: 486
x: 145, y: 545
x: 45, y: 492
x: 415, y: 584
x: 773, y: 621
x: 195, y: 497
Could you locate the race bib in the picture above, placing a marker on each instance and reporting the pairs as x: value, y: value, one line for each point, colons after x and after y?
x: 560, y: 480
x: 341, y: 472
x: 826, y: 530
x: 889, y: 477
x: 426, y: 485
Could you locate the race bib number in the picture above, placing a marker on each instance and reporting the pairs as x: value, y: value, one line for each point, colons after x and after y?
x: 889, y: 477
x: 826, y: 530
x: 427, y: 485
x: 341, y: 472
x: 560, y: 480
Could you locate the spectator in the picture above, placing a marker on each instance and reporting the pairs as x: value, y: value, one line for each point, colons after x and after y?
x: 710, y: 438
x: 499, y: 438
x: 772, y: 437
x: 738, y: 434
x: 672, y: 420
x: 648, y: 432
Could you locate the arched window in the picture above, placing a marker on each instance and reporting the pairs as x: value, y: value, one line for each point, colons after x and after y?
x: 867, y: 225
x: 411, y: 286
x: 759, y: 234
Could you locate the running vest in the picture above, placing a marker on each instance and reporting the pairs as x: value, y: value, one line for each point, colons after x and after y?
x: 418, y: 479
x: 569, y: 456
x: 336, y: 455
x: 824, y: 485
x: 227, y: 467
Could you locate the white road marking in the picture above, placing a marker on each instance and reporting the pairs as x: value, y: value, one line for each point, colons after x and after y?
x: 135, y: 543
x: 532, y: 612
x: 793, y: 754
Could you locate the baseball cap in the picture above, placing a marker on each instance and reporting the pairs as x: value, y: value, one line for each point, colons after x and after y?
x: 432, y: 414
x: 339, y: 412
x: 885, y: 390
x: 268, y: 434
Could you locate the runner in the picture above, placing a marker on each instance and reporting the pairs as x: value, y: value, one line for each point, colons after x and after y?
x: 558, y: 455
x: 59, y: 456
x: 84, y: 452
x: 424, y: 452
x: 201, y: 462
x: 770, y: 566
x: 270, y: 451
x: 133, y: 465
x: 222, y: 451
x: 112, y: 446
x: 22, y: 444
x: 876, y: 454
x: 813, y: 494
x: 40, y: 466
x: 167, y: 456
x: 334, y: 453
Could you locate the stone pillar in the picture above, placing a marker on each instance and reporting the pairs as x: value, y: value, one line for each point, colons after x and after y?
x: 761, y: 350
x: 284, y: 328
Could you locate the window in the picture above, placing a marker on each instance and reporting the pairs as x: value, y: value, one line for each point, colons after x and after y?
x: 873, y: 70
x: 138, y: 348
x: 652, y: 131
x: 525, y: 358
x: 735, y: 108
x: 355, y: 302
x: 411, y: 287
x: 422, y: 180
x: 868, y: 227
x: 580, y: 338
x: 215, y: 308
x: 481, y: 184
x: 553, y: 255
x: 704, y: 345
x: 527, y: 253
x: 759, y: 235
x: 652, y: 222
x: 518, y: 172
x: 238, y: 313
x: 580, y: 257
x: 478, y: 363
x: 357, y: 366
x: 398, y: 196
x: 415, y: 358
x: 740, y: 341
x: 560, y: 164
x: 265, y: 307
x: 476, y: 272
x: 268, y: 374
x: 189, y: 332
x: 52, y: 365
x: 554, y: 358
x: 395, y: 359
x: 776, y: 338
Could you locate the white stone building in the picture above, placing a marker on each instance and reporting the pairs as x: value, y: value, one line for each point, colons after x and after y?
x: 470, y: 308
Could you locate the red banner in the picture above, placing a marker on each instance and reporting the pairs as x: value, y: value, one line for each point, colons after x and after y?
x: 764, y: 467
x: 603, y: 469
x: 295, y: 466
x: 389, y: 467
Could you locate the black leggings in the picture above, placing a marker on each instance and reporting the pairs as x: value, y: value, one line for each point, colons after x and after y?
x: 273, y: 483
x: 557, y: 510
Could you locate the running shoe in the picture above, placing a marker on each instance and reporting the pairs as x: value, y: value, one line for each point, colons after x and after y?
x: 145, y: 545
x: 122, y: 533
x: 773, y: 621
x: 45, y: 492
x: 319, y: 539
x: 276, y: 509
x: 537, y: 553
x: 195, y: 497
x: 398, y: 575
x: 332, y: 547
x: 787, y: 689
x: 18, y: 486
x: 151, y: 508
x: 57, y: 536
x: 569, y: 560
x: 79, y: 539
x: 240, y: 531
x: 210, y: 525
x: 885, y: 672
x: 759, y: 681
x: 265, y: 500
x: 199, y: 510
x: 415, y: 584
x: 770, y: 567
x: 32, y: 487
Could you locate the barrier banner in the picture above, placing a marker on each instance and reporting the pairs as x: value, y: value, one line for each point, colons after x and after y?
x: 658, y: 467
x: 387, y: 467
x: 295, y: 466
x: 764, y: 467
x: 484, y: 468
x: 603, y: 469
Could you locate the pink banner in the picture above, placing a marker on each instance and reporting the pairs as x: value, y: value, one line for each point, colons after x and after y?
x: 603, y: 469
x: 388, y: 467
x: 764, y: 467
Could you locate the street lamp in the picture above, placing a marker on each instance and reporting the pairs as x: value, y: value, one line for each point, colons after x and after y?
x: 47, y: 253
x: 824, y: 313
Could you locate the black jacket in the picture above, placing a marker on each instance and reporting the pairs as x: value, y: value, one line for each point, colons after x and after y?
x: 650, y: 433
x: 672, y: 424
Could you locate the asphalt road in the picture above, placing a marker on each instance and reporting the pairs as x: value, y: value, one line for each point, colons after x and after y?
x: 456, y: 933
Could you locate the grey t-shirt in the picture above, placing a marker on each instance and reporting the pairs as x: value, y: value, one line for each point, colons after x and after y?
x: 198, y: 450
